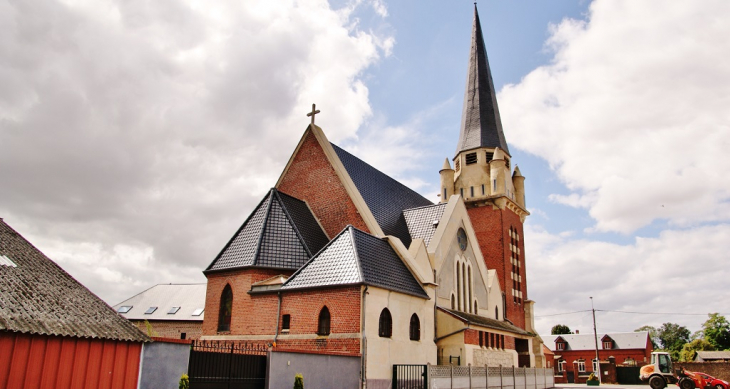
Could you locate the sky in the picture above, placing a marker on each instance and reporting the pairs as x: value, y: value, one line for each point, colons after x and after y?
x: 136, y: 136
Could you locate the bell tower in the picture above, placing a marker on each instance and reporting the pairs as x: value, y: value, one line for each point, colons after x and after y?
x: 482, y: 175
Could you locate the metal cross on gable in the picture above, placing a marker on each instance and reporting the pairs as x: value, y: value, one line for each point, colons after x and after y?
x: 314, y: 112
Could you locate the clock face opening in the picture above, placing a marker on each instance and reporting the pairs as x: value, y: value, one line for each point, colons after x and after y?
x: 461, y: 238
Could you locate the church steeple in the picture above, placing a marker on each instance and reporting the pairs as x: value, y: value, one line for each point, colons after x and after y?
x: 481, y: 126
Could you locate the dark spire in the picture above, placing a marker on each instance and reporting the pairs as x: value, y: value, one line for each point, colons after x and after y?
x: 480, y: 122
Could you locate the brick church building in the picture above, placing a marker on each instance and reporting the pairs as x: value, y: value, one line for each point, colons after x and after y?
x: 340, y: 260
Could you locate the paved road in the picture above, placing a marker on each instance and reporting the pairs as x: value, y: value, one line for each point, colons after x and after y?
x: 608, y: 386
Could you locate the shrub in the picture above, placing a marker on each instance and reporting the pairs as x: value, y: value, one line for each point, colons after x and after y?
x: 298, y: 381
x: 184, y: 382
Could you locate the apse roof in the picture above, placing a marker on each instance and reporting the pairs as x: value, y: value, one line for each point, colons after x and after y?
x: 355, y: 257
x: 280, y: 233
x: 422, y: 221
x: 481, y: 125
x: 38, y: 297
x: 386, y: 197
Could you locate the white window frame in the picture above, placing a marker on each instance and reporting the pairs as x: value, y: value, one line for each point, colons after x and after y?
x: 560, y: 346
x: 607, y: 345
x: 561, y: 366
x: 595, y: 365
x: 581, y: 366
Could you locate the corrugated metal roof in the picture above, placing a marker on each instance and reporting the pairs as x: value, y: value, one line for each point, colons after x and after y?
x: 356, y: 257
x: 188, y: 297
x: 38, y: 297
x: 281, y: 233
x: 422, y: 222
x: 621, y: 340
x: 385, y: 197
x: 486, y: 322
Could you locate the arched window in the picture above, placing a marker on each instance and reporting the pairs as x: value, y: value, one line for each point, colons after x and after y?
x: 323, y: 326
x: 226, y: 309
x: 476, y: 312
x: 464, y: 303
x: 385, y: 327
x: 415, y: 329
x: 496, y: 313
x: 469, y: 282
x: 458, y: 287
x: 453, y: 301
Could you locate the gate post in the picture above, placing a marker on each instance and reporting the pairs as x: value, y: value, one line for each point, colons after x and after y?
x: 452, y: 375
x: 427, y: 376
x: 486, y: 376
x: 501, y: 380
x: 470, y: 385
x: 514, y: 378
x: 394, y: 385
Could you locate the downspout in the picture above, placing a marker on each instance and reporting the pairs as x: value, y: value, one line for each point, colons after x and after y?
x: 364, y: 342
x: 278, y: 318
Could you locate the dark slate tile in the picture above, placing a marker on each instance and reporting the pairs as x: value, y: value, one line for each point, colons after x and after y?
x: 421, y: 220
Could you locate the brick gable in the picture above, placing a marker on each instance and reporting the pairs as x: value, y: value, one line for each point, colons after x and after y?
x: 311, y: 177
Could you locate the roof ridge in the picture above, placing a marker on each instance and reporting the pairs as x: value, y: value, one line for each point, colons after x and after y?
x: 315, y: 256
x: 238, y: 231
x: 425, y: 206
x: 262, y: 231
x: 355, y: 250
x: 291, y: 220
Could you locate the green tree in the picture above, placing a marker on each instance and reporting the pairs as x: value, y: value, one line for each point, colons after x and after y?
x: 653, y: 335
x: 717, y: 331
x: 672, y: 337
x: 560, y: 329
x: 689, y: 350
x: 298, y: 381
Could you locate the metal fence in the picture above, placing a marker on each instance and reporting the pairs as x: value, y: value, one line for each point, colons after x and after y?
x: 410, y: 377
x: 474, y: 377
x: 226, y: 365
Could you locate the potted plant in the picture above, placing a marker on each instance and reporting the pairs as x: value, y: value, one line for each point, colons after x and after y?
x: 592, y: 380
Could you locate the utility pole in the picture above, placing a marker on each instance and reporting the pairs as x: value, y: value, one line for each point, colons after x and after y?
x: 595, y: 337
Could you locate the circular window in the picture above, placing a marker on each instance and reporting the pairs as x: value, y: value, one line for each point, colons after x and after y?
x: 461, y: 237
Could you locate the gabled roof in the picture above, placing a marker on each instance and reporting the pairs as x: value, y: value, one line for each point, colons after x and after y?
x: 38, y: 297
x: 485, y: 321
x: 422, y: 221
x: 187, y: 297
x: 355, y: 257
x: 481, y: 125
x: 621, y: 340
x: 280, y: 233
x: 710, y: 355
x: 386, y: 197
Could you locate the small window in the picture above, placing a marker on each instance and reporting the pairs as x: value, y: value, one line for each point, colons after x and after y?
x: 415, y: 328
x: 445, y: 194
x: 561, y: 366
x: 471, y: 158
x: 607, y: 345
x: 150, y: 310
x: 198, y: 312
x: 560, y: 346
x: 173, y: 310
x: 481, y: 339
x: 471, y: 191
x: 461, y: 192
x: 385, y: 325
x: 483, y: 190
x: 323, y: 327
x: 225, y: 312
x: 285, y: 322
x: 595, y: 365
x: 582, y: 366
x: 496, y: 313
x: 183, y: 335
x: 124, y: 308
x: 494, y: 185
x: 476, y: 312
x: 457, y: 165
x: 453, y: 302
x: 506, y: 163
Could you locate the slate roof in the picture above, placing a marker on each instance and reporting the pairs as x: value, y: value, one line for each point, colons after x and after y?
x: 280, y: 233
x: 421, y: 220
x: 38, y: 297
x: 486, y: 322
x: 621, y: 340
x: 481, y: 125
x: 187, y: 297
x: 386, y: 197
x: 355, y: 257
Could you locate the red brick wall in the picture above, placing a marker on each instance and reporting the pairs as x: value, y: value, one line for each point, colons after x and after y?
x: 171, y: 328
x: 571, y: 356
x: 491, y: 227
x: 304, y: 308
x: 472, y: 337
x: 243, y: 321
x: 311, y: 178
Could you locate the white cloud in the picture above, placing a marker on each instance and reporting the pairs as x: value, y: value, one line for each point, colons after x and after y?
x: 135, y: 136
x: 632, y: 113
x: 680, y: 272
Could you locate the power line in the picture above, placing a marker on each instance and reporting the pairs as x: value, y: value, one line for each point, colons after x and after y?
x: 633, y: 313
x: 565, y: 313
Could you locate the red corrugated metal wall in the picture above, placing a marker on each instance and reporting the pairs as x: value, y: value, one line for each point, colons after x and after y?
x: 39, y: 361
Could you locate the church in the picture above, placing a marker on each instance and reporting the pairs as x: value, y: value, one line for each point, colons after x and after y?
x: 339, y: 260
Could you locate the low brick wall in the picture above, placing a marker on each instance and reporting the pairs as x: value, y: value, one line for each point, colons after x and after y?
x: 718, y: 370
